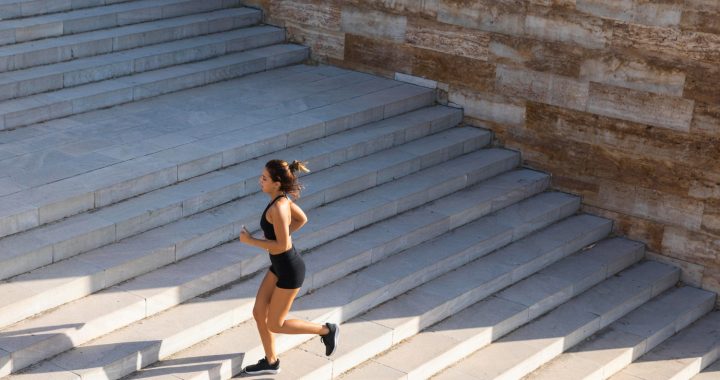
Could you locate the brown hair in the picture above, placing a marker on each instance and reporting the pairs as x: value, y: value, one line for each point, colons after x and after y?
x: 281, y: 171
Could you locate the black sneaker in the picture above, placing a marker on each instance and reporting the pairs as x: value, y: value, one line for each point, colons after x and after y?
x: 331, y: 339
x: 263, y: 368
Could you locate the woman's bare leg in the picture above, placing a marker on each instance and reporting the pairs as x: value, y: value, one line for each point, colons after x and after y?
x: 280, y: 304
x: 260, y: 313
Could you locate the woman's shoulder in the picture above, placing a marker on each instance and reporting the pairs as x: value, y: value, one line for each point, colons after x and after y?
x: 281, y: 202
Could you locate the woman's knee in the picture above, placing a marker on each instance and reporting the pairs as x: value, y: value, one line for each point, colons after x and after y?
x: 260, y: 313
x: 274, y: 325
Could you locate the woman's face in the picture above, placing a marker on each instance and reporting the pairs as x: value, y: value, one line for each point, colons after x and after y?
x: 266, y: 184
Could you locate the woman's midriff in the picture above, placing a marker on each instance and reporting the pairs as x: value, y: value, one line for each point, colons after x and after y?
x: 279, y: 252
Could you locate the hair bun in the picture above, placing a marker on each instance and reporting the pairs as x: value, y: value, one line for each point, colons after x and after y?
x: 297, y: 165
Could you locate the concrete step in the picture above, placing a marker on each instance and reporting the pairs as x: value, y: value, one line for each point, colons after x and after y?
x: 66, y: 48
x: 201, y: 318
x: 616, y: 346
x: 36, y: 80
x: 446, y: 296
x: 529, y: 347
x: 347, y: 101
x: 10, y: 9
x: 111, y: 16
x: 171, y: 285
x: 466, y: 331
x: 69, y: 101
x: 384, y: 279
x: 681, y: 356
x: 91, y: 271
x: 710, y: 373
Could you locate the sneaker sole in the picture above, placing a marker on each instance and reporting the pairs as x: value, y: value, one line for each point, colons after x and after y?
x: 263, y: 372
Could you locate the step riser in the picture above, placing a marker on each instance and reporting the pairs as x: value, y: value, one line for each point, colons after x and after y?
x: 120, y: 67
x: 29, y: 217
x: 217, y: 236
x: 106, y: 21
x: 40, y: 7
x: 129, y: 41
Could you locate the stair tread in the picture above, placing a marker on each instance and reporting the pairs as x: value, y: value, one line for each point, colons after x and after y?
x: 615, y: 346
x: 684, y: 354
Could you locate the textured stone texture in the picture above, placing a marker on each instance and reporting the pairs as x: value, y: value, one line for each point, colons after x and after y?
x: 620, y: 100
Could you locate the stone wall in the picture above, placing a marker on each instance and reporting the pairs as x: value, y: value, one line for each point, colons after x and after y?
x: 619, y: 100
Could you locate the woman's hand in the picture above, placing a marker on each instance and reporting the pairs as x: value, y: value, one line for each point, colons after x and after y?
x: 245, y: 235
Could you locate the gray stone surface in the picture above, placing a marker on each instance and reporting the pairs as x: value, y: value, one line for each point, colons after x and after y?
x: 681, y: 356
x: 622, y: 342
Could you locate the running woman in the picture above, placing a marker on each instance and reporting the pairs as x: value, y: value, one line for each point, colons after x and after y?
x: 286, y: 274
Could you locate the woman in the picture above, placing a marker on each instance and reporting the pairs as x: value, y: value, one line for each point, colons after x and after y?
x: 286, y: 274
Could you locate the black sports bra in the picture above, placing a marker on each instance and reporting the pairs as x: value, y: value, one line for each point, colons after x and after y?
x: 266, y: 226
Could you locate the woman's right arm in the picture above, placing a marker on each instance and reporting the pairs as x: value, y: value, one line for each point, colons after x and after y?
x: 297, y: 217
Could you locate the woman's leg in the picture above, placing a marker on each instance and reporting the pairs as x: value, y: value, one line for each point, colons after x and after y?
x: 280, y: 304
x: 260, y: 313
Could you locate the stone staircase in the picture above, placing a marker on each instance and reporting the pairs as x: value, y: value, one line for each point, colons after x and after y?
x: 133, y: 136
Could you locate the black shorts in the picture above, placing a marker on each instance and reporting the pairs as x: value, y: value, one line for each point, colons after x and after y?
x: 289, y: 268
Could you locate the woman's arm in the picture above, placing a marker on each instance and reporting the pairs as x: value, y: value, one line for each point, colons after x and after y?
x: 297, y: 217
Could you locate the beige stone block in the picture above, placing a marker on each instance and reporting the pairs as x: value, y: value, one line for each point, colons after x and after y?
x: 427, y: 8
x: 568, y: 27
x: 659, y: 13
x: 667, y: 43
x: 491, y: 107
x: 542, y: 87
x: 634, y: 74
x: 651, y: 204
x: 449, y: 39
x: 707, y: 187
x: 322, y: 43
x: 706, y: 120
x: 701, y: 15
x: 370, y: 23
x: 694, y: 247
x: 544, y: 56
x: 317, y: 14
x: 501, y: 16
x: 641, y: 107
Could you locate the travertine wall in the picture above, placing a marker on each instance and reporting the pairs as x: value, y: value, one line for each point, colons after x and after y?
x: 618, y: 99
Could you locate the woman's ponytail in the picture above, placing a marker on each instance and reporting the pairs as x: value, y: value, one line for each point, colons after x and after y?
x: 298, y: 166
